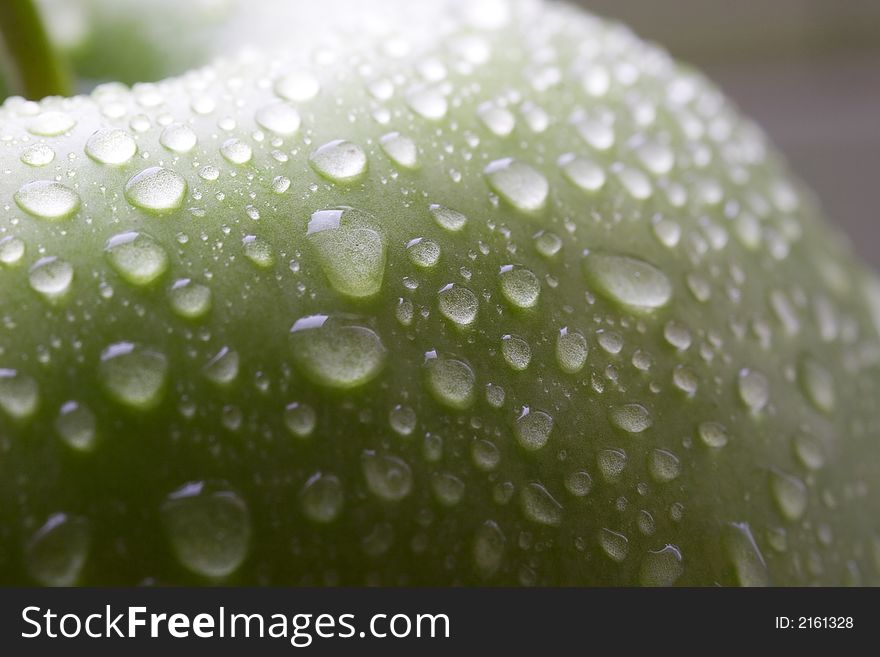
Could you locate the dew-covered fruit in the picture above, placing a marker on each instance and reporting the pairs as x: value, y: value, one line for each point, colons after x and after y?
x: 463, y: 292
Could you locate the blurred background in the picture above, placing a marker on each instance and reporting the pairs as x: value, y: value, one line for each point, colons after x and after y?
x: 807, y: 70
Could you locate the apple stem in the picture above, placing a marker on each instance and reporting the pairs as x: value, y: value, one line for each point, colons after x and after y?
x: 34, y: 69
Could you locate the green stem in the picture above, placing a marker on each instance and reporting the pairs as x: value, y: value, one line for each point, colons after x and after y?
x: 36, y: 70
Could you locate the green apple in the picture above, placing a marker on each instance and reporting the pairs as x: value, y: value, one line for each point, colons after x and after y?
x: 459, y: 293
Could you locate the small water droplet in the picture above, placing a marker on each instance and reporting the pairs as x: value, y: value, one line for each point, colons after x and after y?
x: 584, y: 173
x: 519, y: 286
x: 178, y: 138
x: 571, y: 351
x: 338, y: 352
x: 516, y: 351
x: 684, y: 378
x: 388, y: 477
x: 47, y: 199
x: 209, y: 529
x: 789, y: 493
x: 663, y: 465
x: 632, y: 418
x: 156, y: 189
x: 137, y: 257
x: 37, y: 155
x: 809, y: 450
x: 451, y: 381
x: 485, y: 455
x: 51, y: 124
x: 76, y: 426
x: 298, y: 86
x: 677, y: 335
x: 817, y: 384
x: 533, y: 429
x: 610, y: 341
x: 448, y: 489
x: 489, y: 548
x: 133, y: 375
x: 753, y: 388
x: 300, y: 419
x: 548, y: 244
x: 458, y: 304
x: 189, y: 299
x: 112, y: 147
x: 627, y: 280
x: 19, y: 394
x: 278, y: 117
x: 339, y: 160
x: 258, y: 251
x: 51, y: 277
x: 58, y: 551
x: 518, y: 184
x: 539, y: 506
x: 612, y: 463
x: 428, y: 103
x: 402, y: 150
x: 402, y: 419
x: 613, y: 544
x: 447, y: 218
x: 322, y: 498
x: 222, y: 368
x: 12, y: 250
x: 713, y: 434
x: 236, y: 151
x: 661, y: 567
x: 579, y: 483
x: 499, y: 120
x: 423, y: 252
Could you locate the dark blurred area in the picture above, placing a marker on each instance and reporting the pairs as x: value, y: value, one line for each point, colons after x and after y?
x: 807, y: 70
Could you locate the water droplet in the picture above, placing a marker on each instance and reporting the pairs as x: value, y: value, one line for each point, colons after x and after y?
x: 571, y: 351
x: 495, y: 395
x: 635, y: 183
x: 51, y: 277
x: 209, y: 529
x: 112, y: 147
x: 76, y: 426
x: 447, y: 218
x: 661, y: 567
x: 178, y: 137
x: 458, y: 304
x: 19, y: 395
x: 664, y: 466
x: 584, y: 173
x: 11, y: 250
x: 322, y: 498
x: 51, y: 124
x: 516, y: 351
x: 744, y: 555
x: 402, y: 150
x: 684, y: 378
x: 539, y: 506
x: 611, y: 463
x: 402, y: 419
x: 613, y: 544
x: 423, y: 252
x: 712, y: 434
x: 300, y: 419
x: 137, y: 257
x: 428, y: 103
x: 809, y: 450
x: 632, y: 418
x: 499, y: 120
x: 548, y: 244
x: 677, y: 335
x: 753, y: 388
x: 451, y: 381
x: 339, y: 160
x: 610, y: 341
x: 404, y: 311
x: 629, y: 281
x: 388, y: 477
x: 37, y: 155
x: 579, y: 483
x: 209, y: 172
x: 518, y: 184
x: 278, y: 117
x: 817, y: 384
x: 298, y: 86
x: 222, y: 368
x: 533, y: 429
x: 133, y: 375
x: 485, y: 455
x: 338, y: 352
x: 667, y: 232
x: 258, y: 251
x: 489, y: 547
x: 789, y: 493
x: 448, y: 489
x: 350, y: 250
x: 236, y: 151
x: 156, y: 189
x: 519, y: 286
x: 189, y: 299
x: 47, y: 199
x: 58, y: 551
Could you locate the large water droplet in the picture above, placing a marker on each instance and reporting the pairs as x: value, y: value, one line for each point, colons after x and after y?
x: 584, y: 173
x: 12, y: 250
x: 402, y: 419
x: 428, y: 103
x: 539, y: 506
x: 713, y: 434
x: 571, y: 351
x: 485, y: 455
x: 322, y: 498
x: 519, y: 286
x: 451, y: 381
x: 612, y: 463
x: 236, y: 151
x: 209, y: 529
x: 338, y: 352
x: 350, y: 249
x: 298, y: 86
x: 402, y: 150
x: 753, y: 388
x: 516, y: 351
x: 19, y: 394
x: 47, y: 199
x: 189, y: 299
x: 133, y: 375
x: 632, y: 418
x: 222, y: 368
x: 388, y: 477
x: 137, y: 257
x: 258, y: 251
x: 518, y: 184
x: 817, y: 384
x: 157, y: 189
x: 339, y: 160
x: 37, y: 155
x: 278, y: 117
x: 112, y: 147
x: 745, y: 557
x: 51, y: 277
x: 447, y: 218
x: 489, y: 547
x: 178, y: 137
x: 629, y: 281
x: 499, y: 120
x: 533, y: 428
x: 663, y: 465
x: 613, y: 544
x: 579, y: 483
x: 661, y: 567
x: 58, y: 551
x: 300, y: 419
x: 789, y: 493
x: 422, y: 252
x: 809, y: 450
x: 458, y: 304
x: 76, y: 426
x: 51, y: 123
x: 448, y: 489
